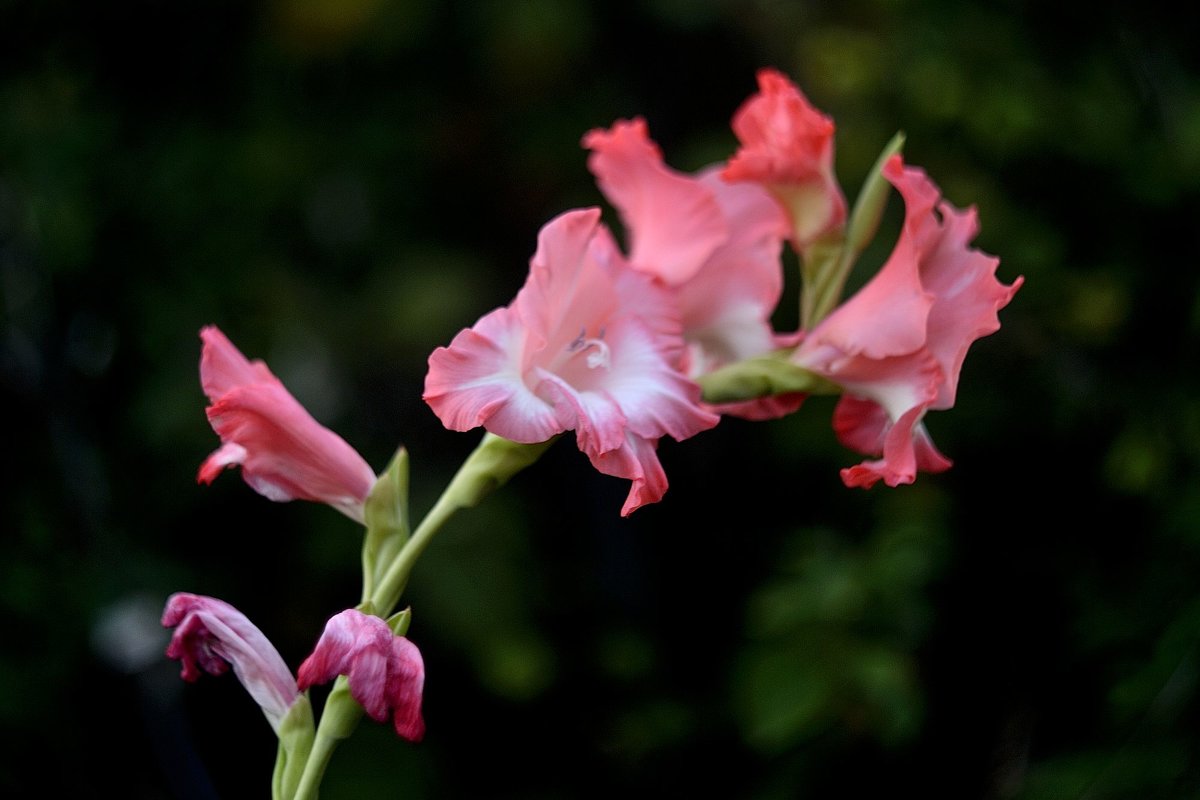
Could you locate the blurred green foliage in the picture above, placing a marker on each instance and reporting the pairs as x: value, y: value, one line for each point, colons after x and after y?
x: 343, y: 185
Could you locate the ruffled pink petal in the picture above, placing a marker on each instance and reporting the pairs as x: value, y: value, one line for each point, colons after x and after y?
x: 385, y: 672
x: 787, y: 145
x: 961, y: 279
x: 674, y: 221
x: 906, y: 448
x: 888, y: 316
x: 865, y: 426
x: 478, y: 380
x: 636, y: 460
x: 212, y: 636
x: 898, y: 345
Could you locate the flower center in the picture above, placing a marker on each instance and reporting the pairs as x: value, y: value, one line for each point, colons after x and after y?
x: 598, y: 352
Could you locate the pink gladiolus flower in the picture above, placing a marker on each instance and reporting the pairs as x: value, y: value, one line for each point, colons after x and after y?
x: 716, y: 244
x: 787, y: 146
x: 897, y: 346
x: 211, y: 636
x: 385, y: 671
x: 588, y: 345
x: 285, y: 454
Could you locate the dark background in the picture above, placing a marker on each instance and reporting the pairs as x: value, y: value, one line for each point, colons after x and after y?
x: 342, y: 186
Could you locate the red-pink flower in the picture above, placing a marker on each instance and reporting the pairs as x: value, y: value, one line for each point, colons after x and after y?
x: 385, y: 672
x: 285, y: 454
x: 715, y: 244
x: 897, y: 346
x: 787, y: 146
x: 589, y: 345
x: 212, y: 636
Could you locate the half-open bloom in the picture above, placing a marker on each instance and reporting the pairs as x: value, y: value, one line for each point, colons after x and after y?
x: 715, y: 244
x: 589, y: 345
x: 385, y: 672
x: 787, y: 146
x: 284, y: 453
x: 897, y: 346
x: 212, y: 636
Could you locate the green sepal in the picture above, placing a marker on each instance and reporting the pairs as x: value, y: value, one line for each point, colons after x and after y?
x: 872, y: 199
x: 825, y: 279
x: 295, y: 744
x: 399, y: 621
x: 490, y: 467
x: 341, y: 713
x: 385, y: 514
x: 819, y: 279
x: 761, y: 376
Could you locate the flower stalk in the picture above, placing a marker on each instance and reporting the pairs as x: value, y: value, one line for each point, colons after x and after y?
x: 486, y: 469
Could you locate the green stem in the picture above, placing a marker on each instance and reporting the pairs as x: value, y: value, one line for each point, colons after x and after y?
x: 488, y: 467
x: 339, y: 718
x: 314, y: 768
x: 387, y: 593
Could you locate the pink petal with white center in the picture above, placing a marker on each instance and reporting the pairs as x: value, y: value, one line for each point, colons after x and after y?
x: 385, y: 672
x: 897, y: 346
x: 211, y: 636
x: 787, y: 146
x: 674, y: 222
x: 589, y: 345
x: 479, y: 380
x: 284, y: 453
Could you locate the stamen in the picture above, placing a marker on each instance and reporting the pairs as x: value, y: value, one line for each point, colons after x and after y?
x: 600, y: 357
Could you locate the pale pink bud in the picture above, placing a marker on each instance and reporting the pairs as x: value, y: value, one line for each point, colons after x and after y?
x: 212, y: 636
x: 285, y: 454
x: 385, y: 672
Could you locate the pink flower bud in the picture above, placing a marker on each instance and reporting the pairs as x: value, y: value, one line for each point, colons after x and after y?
x: 211, y: 636
x: 285, y: 454
x: 787, y: 146
x: 385, y: 672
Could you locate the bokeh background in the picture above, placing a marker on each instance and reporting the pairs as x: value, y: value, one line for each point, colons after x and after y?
x: 343, y: 185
